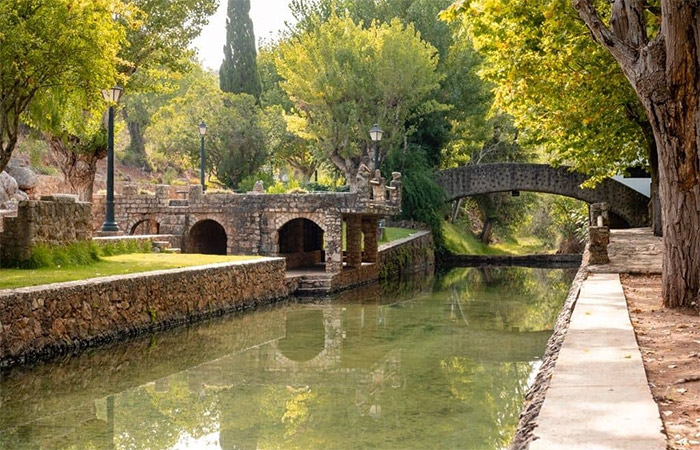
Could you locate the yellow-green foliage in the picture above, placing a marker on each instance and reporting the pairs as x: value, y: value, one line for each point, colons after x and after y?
x: 77, y: 254
x: 125, y: 246
x: 460, y: 240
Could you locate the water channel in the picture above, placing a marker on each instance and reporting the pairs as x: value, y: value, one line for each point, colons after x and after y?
x: 433, y: 362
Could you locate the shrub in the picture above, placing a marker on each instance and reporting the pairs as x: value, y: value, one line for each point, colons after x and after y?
x: 76, y: 254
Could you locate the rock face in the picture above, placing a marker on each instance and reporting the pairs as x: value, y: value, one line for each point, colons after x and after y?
x: 25, y: 176
x: 14, y: 181
x: 8, y: 189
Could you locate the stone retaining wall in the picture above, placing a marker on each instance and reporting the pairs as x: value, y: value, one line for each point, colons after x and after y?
x: 413, y: 253
x: 41, y: 322
x: 54, y: 220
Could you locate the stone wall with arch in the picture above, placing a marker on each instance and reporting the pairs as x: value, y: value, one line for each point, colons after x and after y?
x: 252, y: 221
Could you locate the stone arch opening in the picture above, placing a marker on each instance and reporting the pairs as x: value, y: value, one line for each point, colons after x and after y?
x: 145, y: 227
x: 207, y: 237
x: 301, y: 243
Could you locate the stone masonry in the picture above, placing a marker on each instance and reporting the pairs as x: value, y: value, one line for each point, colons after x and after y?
x: 252, y: 224
x: 54, y: 220
x: 44, y: 321
x: 468, y: 180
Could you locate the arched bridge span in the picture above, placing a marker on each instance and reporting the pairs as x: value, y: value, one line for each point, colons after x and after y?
x: 470, y: 180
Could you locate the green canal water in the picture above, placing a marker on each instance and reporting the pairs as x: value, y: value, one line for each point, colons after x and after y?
x: 435, y: 362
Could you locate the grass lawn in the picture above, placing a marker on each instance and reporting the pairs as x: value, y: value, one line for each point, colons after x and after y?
x: 461, y: 241
x: 110, y: 265
x: 394, y: 234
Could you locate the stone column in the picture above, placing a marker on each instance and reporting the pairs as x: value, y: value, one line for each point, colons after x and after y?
x: 354, y: 240
x: 370, y: 228
x: 334, y: 243
x: 598, y: 248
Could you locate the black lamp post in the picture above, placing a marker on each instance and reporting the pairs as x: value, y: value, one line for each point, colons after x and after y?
x: 202, y: 156
x: 376, y: 134
x: 112, y: 96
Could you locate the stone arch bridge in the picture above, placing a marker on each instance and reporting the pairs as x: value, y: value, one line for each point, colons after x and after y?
x: 625, y: 202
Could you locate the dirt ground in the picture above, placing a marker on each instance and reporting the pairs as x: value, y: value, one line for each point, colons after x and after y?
x: 670, y: 345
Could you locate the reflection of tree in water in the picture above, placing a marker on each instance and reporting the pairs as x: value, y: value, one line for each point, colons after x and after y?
x: 155, y: 417
x: 496, y: 391
x: 380, y: 371
x: 512, y: 298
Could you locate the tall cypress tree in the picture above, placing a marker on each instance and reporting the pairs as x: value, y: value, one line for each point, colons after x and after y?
x: 239, y: 71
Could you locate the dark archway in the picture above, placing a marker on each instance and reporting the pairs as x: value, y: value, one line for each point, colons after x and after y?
x: 301, y: 243
x: 207, y: 237
x: 145, y: 227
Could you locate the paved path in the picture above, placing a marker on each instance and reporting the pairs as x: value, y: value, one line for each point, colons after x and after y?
x: 636, y: 250
x: 599, y: 398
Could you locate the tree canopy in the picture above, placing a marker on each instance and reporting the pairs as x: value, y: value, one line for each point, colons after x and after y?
x: 343, y: 78
x: 235, y: 139
x: 239, y: 71
x: 52, y: 49
x: 563, y: 90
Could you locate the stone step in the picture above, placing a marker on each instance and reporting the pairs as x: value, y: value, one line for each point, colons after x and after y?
x: 172, y: 250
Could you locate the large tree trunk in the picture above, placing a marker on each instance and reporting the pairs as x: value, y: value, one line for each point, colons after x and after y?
x: 487, y: 231
x: 78, y: 166
x: 665, y: 73
x: 655, y: 202
x: 137, y: 146
x: 137, y: 143
x: 680, y: 190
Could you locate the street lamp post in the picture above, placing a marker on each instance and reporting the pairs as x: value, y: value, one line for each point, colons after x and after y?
x: 202, y: 156
x: 376, y: 134
x: 112, y: 96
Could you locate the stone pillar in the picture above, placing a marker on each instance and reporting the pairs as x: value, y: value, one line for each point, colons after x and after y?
x: 599, y: 214
x: 334, y: 243
x: 599, y: 238
x: 354, y: 240
x: 370, y: 228
x: 196, y: 194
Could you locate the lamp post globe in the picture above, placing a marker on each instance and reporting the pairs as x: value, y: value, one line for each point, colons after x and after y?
x: 202, y: 155
x: 376, y: 135
x: 112, y: 96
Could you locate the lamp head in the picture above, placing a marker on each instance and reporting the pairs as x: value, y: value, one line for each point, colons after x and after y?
x: 113, y: 95
x: 376, y: 133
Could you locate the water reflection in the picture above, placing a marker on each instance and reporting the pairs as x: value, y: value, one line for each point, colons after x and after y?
x: 421, y: 364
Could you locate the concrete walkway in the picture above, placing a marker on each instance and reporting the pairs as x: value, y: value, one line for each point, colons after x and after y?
x: 598, y: 397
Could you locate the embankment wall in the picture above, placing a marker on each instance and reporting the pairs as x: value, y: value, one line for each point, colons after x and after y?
x: 44, y: 321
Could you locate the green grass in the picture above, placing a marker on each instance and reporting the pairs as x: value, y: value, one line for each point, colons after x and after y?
x: 462, y: 241
x: 109, y: 265
x: 394, y: 234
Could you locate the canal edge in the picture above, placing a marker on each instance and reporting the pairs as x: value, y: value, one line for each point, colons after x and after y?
x: 535, y: 396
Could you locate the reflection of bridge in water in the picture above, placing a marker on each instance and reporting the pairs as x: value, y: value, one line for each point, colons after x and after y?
x: 353, y: 346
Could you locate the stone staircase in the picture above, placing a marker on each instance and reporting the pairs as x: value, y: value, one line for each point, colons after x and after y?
x: 313, y: 285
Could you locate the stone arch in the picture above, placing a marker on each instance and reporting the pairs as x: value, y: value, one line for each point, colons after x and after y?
x: 207, y: 237
x: 469, y: 180
x: 144, y: 226
x: 306, y: 330
x: 305, y: 336
x: 301, y: 242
